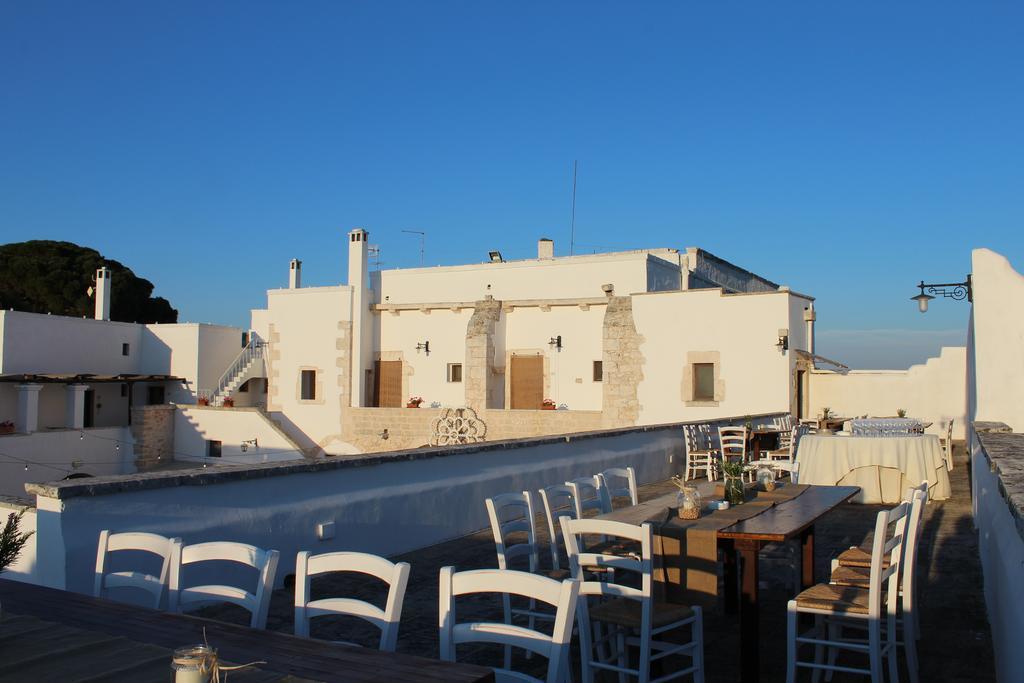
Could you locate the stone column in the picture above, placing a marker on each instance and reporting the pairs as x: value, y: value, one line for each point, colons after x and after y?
x: 27, y: 420
x: 75, y: 414
x: 479, y: 368
x: 622, y: 364
x: 153, y: 431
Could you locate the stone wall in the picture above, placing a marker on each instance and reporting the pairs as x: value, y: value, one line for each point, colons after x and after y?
x: 622, y: 364
x: 479, y: 367
x: 411, y: 427
x: 153, y: 431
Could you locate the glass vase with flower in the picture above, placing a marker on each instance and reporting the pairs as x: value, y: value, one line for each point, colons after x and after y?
x: 733, y: 469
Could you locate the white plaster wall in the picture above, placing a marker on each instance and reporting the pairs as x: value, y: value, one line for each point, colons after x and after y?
x: 219, y: 346
x: 386, y: 508
x: 934, y: 391
x: 446, y: 332
x: 53, y: 344
x: 307, y: 321
x: 172, y: 350
x: 577, y: 276
x: 102, y: 451
x: 997, y: 364
x: 24, y: 568
x: 797, y: 327
x: 260, y: 322
x: 743, y: 328
x: 530, y: 327
x: 1001, y: 550
x: 195, y: 425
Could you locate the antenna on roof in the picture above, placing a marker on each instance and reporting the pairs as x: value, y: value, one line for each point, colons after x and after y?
x: 423, y: 238
x: 572, y: 223
x: 373, y: 252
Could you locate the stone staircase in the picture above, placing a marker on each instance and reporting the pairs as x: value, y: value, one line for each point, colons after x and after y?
x: 249, y: 363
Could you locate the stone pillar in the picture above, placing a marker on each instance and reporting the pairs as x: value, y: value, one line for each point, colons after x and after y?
x: 75, y: 414
x: 478, y: 371
x: 622, y: 364
x: 27, y: 420
x: 153, y: 431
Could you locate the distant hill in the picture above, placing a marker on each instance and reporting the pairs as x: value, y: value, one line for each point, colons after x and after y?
x: 42, y: 276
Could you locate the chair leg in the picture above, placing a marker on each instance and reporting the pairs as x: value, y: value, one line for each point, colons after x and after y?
x: 910, y: 645
x: 506, y: 603
x: 875, y: 651
x: 698, y: 647
x: 835, y: 633
x: 791, y: 642
x: 623, y: 659
x: 819, y: 650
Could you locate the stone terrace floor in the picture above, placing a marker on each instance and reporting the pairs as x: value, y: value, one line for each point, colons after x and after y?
x: 955, y: 644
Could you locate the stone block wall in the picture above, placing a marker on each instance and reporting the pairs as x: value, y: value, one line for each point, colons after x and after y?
x: 153, y: 431
x: 623, y: 364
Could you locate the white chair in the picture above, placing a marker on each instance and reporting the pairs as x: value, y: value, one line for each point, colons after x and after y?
x: 626, y: 477
x: 111, y: 584
x: 947, y: 446
x: 829, y: 603
x: 586, y: 492
x: 785, y: 453
x: 700, y: 453
x: 784, y: 422
x: 558, y: 502
x: 396, y: 576
x: 858, y: 575
x: 732, y: 443
x: 258, y: 603
x: 633, y: 616
x: 561, y: 595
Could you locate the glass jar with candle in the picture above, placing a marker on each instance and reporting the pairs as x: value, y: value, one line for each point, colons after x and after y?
x: 689, y: 503
x: 765, y: 478
x: 193, y: 664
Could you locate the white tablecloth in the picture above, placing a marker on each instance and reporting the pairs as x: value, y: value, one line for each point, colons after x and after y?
x: 883, y: 467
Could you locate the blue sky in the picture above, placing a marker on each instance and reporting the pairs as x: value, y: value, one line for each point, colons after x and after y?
x: 845, y: 149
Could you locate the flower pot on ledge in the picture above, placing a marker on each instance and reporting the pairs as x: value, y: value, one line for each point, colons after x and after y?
x: 412, y: 405
x: 547, y: 406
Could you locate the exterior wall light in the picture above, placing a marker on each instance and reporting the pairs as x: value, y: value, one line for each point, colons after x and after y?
x: 556, y: 342
x: 495, y: 257
x: 423, y: 346
x: 250, y: 442
x: 783, y: 344
x: 958, y: 291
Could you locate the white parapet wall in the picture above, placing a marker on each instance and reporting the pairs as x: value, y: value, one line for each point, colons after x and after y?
x: 935, y: 391
x: 53, y: 455
x: 196, y: 426
x: 385, y: 504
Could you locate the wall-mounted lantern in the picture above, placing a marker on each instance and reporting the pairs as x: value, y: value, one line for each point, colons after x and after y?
x: 783, y: 343
x: 958, y: 291
x: 255, y: 443
x: 423, y: 346
x: 556, y: 342
x: 495, y: 256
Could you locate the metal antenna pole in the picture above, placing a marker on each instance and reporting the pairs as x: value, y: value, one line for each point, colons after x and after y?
x: 572, y: 224
x: 423, y: 238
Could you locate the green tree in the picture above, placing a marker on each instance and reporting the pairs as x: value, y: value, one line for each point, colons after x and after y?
x: 12, y: 540
x: 43, y: 276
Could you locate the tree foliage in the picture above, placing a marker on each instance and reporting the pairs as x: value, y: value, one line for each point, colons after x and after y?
x: 12, y: 540
x: 43, y: 276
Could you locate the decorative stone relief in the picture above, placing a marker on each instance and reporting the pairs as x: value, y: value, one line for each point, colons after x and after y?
x: 457, y: 426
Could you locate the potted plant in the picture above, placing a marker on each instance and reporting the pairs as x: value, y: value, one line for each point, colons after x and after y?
x: 900, y: 412
x: 414, y: 402
x: 547, y: 404
x: 203, y: 401
x: 228, y: 402
x: 6, y: 427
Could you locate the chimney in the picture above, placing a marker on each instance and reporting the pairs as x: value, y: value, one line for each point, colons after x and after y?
x: 809, y: 318
x: 545, y: 248
x: 295, y: 274
x: 361, y: 341
x: 103, y: 294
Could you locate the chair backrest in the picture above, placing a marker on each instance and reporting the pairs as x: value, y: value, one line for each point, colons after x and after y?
x: 784, y: 422
x: 617, y: 482
x: 586, y: 493
x: 396, y: 576
x: 575, y: 529
x: 512, y: 513
x: 698, y: 438
x: 791, y: 466
x: 882, y: 578
x: 733, y: 441
x: 263, y: 561
x: 787, y: 441
x: 910, y: 549
x: 105, y: 581
x: 558, y: 501
x: 560, y: 595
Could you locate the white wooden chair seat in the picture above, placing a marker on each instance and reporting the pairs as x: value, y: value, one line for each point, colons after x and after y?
x: 625, y: 612
x: 835, y: 598
x: 856, y: 556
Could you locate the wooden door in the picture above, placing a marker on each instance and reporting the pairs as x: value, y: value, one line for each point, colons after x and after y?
x: 89, y: 418
x: 387, y: 387
x: 527, y: 386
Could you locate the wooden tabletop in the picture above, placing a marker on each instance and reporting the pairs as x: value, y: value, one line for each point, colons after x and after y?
x: 284, y: 654
x: 787, y: 520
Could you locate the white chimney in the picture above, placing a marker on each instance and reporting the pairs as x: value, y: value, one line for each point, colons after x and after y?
x: 103, y: 294
x: 809, y: 318
x: 357, y: 280
x: 295, y: 274
x: 545, y: 248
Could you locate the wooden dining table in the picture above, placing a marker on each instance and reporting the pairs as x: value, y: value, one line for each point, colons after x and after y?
x: 49, y: 634
x: 742, y: 542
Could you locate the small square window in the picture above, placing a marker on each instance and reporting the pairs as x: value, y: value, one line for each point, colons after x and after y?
x: 124, y: 349
x: 703, y: 381
x: 455, y: 372
x: 213, y: 449
x: 598, y: 371
x: 308, y: 385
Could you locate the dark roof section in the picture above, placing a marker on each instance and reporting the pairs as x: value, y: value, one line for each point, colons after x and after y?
x: 85, y: 378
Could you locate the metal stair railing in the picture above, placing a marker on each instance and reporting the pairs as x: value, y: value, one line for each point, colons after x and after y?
x: 252, y: 351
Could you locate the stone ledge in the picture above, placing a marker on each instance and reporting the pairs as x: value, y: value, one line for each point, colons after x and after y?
x: 101, y: 486
x: 1004, y: 452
